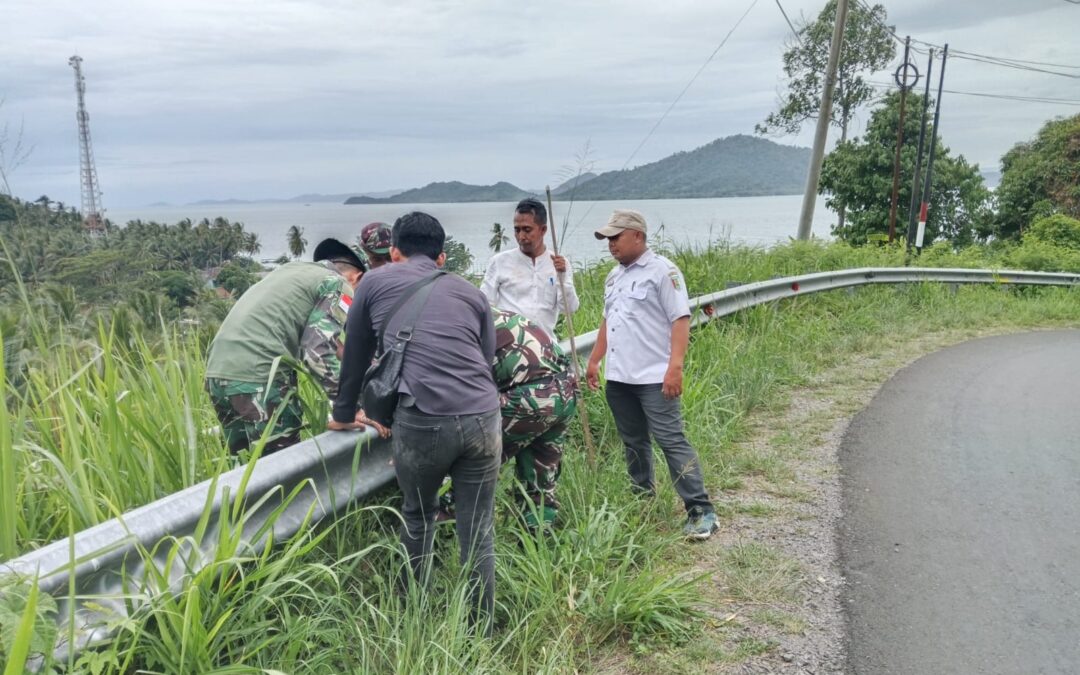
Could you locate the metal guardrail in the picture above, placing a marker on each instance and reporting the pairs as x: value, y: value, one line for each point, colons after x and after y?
x: 331, y: 471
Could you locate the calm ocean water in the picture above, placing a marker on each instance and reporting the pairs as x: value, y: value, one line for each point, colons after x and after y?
x: 760, y: 221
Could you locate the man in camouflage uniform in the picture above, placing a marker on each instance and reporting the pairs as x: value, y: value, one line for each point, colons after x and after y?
x: 375, y: 241
x: 536, y: 392
x: 296, y: 313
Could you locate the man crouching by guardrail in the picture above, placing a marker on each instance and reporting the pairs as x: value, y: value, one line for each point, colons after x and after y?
x: 297, y: 312
x: 644, y: 334
x: 445, y: 410
x: 536, y: 392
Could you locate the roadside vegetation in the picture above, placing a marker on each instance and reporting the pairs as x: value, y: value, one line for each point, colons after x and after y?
x: 110, y: 415
x: 103, y: 345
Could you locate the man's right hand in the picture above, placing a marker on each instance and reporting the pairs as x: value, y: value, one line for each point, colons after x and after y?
x: 334, y: 425
x: 592, y: 375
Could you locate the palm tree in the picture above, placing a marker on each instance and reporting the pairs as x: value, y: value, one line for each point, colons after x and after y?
x: 251, y: 243
x: 498, y: 238
x: 296, y: 241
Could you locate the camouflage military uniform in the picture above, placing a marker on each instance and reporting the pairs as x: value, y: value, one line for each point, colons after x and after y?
x: 537, y: 393
x: 244, y: 385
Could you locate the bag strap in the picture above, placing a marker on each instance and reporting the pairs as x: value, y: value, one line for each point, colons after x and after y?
x: 421, y: 289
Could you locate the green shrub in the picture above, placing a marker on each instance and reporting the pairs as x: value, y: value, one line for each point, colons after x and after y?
x: 1058, y: 230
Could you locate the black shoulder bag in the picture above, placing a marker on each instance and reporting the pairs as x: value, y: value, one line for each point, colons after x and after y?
x: 379, y: 394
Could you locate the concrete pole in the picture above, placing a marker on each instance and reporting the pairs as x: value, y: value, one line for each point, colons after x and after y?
x: 924, y: 212
x: 899, y: 142
x: 806, y: 219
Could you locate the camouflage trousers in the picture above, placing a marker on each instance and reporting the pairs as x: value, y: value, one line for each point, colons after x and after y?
x: 246, y: 409
x: 535, y: 417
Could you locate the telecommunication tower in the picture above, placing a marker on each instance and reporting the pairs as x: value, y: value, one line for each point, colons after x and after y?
x: 91, y: 195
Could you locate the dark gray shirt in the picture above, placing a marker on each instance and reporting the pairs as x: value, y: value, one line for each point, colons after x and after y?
x: 447, y: 366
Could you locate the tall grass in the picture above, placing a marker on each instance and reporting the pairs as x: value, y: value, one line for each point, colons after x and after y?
x: 109, y: 422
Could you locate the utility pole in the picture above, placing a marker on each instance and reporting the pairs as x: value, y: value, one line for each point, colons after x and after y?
x: 806, y: 219
x: 92, y: 211
x: 924, y: 212
x: 902, y: 82
x: 912, y: 213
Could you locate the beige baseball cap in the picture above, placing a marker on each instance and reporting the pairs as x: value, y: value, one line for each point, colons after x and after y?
x: 622, y: 219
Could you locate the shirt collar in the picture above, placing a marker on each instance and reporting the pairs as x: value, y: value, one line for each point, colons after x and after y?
x: 642, y: 259
x: 525, y: 257
x: 422, y: 261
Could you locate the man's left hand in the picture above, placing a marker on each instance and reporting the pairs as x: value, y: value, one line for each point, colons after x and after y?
x: 672, y: 386
x: 559, y: 262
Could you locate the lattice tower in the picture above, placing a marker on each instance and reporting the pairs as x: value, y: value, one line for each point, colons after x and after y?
x: 93, y: 213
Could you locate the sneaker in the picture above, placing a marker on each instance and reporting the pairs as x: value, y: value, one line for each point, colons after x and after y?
x: 700, y: 525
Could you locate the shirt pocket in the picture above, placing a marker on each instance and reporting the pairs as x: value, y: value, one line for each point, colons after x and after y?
x: 549, y: 296
x: 637, y: 300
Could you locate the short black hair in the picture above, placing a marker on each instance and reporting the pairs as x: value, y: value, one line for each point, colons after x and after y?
x: 417, y: 232
x: 533, y: 206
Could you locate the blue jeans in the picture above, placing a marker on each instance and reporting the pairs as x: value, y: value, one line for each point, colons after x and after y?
x: 640, y: 410
x: 469, y: 449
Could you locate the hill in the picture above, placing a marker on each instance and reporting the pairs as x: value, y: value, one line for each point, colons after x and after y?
x: 453, y: 191
x: 736, y: 166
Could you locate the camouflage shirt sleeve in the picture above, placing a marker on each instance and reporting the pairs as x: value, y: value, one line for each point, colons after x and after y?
x: 323, y: 341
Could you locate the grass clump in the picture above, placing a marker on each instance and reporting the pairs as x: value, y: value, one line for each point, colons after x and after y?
x: 101, y: 421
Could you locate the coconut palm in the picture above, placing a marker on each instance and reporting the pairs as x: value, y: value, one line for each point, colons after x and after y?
x: 498, y: 238
x: 296, y: 240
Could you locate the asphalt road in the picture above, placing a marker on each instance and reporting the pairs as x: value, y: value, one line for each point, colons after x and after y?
x: 960, y: 540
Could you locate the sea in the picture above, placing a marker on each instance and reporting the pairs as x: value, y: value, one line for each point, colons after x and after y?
x: 753, y: 221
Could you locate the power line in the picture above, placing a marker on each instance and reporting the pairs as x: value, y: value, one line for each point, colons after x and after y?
x: 885, y: 86
x: 791, y: 26
x: 1021, y: 61
x: 1019, y: 64
x: 687, y: 87
x: 678, y: 98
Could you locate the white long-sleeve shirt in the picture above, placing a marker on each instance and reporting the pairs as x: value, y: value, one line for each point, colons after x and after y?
x: 518, y: 283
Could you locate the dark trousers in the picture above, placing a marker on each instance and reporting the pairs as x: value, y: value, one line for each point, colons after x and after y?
x: 640, y: 410
x: 468, y: 448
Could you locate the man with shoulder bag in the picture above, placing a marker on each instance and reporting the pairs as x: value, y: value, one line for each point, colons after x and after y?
x: 435, y: 332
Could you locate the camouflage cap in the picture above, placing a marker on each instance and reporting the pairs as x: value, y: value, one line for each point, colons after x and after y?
x: 376, y: 238
x: 337, y: 251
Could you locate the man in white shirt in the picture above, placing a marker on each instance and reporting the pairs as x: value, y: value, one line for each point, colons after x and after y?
x: 525, y: 280
x: 644, y: 335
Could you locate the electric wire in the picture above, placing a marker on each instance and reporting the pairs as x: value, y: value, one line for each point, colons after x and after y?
x: 791, y: 25
x: 885, y: 86
x: 1019, y: 64
x: 679, y: 97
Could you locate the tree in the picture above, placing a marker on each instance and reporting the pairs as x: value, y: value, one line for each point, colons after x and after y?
x: 868, y: 47
x: 238, y: 275
x: 498, y: 238
x: 1058, y: 230
x: 1040, y: 178
x: 296, y: 241
x: 858, y: 173
x: 180, y: 287
x: 13, y: 153
x: 458, y: 257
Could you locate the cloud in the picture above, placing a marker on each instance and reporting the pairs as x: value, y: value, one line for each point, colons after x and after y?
x: 198, y: 99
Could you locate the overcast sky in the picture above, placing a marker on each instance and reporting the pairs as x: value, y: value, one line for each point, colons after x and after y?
x: 199, y: 99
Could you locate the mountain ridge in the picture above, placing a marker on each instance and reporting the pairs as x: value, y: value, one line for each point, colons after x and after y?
x: 734, y: 166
